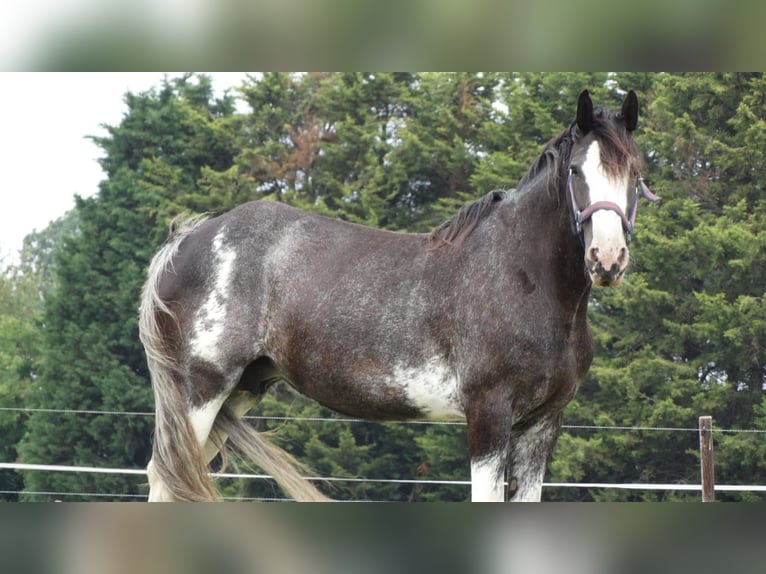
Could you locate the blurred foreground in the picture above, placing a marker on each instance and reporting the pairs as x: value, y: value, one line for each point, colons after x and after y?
x: 298, y: 34
x: 346, y: 538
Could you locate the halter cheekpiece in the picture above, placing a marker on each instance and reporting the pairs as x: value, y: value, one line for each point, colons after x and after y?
x: 628, y: 221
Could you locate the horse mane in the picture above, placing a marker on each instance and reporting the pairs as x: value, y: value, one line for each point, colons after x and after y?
x: 554, y: 150
x: 455, y: 230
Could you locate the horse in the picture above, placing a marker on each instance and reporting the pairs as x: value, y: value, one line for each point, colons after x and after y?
x: 483, y: 319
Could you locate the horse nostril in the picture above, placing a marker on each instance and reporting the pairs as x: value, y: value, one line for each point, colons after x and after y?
x: 623, y: 257
x: 593, y: 254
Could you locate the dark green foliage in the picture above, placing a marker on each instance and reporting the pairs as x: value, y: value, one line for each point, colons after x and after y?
x: 684, y: 336
x: 91, y: 358
x: 20, y: 307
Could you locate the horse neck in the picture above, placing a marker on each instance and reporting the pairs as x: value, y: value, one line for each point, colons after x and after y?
x: 573, y: 282
x: 544, y: 212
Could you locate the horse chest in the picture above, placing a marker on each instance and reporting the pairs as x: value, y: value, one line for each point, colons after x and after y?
x: 538, y: 358
x: 552, y: 374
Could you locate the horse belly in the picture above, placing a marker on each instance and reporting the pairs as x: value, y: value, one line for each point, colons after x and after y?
x: 402, y: 392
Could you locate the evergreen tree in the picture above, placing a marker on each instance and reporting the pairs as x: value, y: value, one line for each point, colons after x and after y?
x: 20, y: 306
x: 530, y: 109
x: 363, y: 112
x: 439, y: 147
x: 684, y: 336
x: 92, y: 358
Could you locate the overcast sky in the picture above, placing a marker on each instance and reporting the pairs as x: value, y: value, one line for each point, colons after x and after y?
x: 45, y: 157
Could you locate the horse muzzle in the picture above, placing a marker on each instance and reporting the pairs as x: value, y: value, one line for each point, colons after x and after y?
x: 607, y: 267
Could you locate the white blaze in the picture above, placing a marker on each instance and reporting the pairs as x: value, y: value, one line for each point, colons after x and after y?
x: 606, y: 228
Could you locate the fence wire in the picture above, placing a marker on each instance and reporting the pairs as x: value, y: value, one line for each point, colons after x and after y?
x: 353, y: 420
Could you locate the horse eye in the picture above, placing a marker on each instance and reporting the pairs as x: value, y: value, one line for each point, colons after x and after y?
x: 576, y: 171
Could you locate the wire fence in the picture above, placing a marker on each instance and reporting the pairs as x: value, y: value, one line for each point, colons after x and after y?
x: 353, y: 420
x: 252, y: 476
x: 466, y: 483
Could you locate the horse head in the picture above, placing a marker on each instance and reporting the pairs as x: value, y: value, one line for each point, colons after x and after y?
x: 603, y: 182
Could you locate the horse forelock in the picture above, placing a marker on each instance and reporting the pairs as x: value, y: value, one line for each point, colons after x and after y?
x: 553, y: 160
x: 619, y: 154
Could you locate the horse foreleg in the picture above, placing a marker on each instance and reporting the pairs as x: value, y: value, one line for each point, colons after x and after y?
x: 487, y: 478
x: 489, y: 430
x: 530, y: 449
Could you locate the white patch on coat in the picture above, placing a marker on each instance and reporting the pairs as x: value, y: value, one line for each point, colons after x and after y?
x: 487, y: 479
x: 431, y: 388
x: 209, y: 325
x: 606, y: 226
x: 202, y: 418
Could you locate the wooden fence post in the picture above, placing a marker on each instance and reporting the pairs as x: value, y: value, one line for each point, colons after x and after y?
x: 706, y: 459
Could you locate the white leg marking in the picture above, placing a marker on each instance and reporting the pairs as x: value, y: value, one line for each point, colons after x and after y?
x: 527, y: 476
x: 487, y: 479
x: 529, y: 456
x: 238, y: 403
x: 209, y: 325
x: 529, y: 491
x: 202, y: 420
x: 158, y: 492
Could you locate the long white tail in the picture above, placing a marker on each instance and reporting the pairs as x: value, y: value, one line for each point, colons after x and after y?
x: 273, y: 460
x: 177, y: 461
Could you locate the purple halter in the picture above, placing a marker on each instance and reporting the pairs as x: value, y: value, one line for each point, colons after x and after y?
x: 628, y: 221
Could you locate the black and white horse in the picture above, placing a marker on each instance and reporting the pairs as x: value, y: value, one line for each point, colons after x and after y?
x: 483, y: 319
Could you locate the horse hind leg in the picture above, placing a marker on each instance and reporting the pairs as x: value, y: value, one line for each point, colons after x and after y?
x: 252, y: 383
x: 278, y: 463
x: 178, y: 469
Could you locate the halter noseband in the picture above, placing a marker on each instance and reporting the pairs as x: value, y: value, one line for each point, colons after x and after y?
x: 628, y: 221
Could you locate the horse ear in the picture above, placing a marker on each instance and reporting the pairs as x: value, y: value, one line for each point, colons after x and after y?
x: 630, y: 111
x: 584, y: 112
